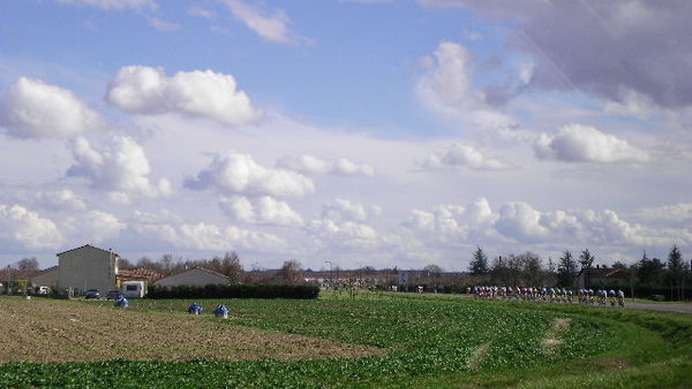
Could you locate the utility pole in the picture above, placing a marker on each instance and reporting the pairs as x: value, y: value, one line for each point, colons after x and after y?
x: 9, y: 278
x: 331, y: 275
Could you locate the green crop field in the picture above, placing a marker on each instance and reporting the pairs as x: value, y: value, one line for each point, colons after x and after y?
x: 425, y: 341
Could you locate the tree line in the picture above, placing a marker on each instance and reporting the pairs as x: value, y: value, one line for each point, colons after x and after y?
x: 228, y: 265
x: 671, y: 278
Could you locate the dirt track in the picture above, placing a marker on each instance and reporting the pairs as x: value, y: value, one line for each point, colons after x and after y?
x: 43, y: 330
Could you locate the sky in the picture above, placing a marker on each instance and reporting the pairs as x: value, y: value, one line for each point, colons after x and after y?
x: 399, y: 133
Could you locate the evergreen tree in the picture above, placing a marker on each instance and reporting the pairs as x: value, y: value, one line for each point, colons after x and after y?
x: 651, y: 272
x: 676, y: 271
x: 566, y: 269
x: 675, y: 263
x: 479, y: 263
x: 586, y: 259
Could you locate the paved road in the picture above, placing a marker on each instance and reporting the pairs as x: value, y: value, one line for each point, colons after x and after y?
x: 665, y: 307
x: 670, y: 307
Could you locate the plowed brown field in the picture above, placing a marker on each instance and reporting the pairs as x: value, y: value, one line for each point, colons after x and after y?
x: 43, y: 330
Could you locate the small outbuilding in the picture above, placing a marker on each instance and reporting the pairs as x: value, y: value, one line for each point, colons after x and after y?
x: 47, y: 277
x: 601, y: 277
x: 197, y: 276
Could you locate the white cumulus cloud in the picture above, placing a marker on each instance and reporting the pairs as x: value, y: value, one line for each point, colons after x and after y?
x: 342, y: 223
x: 33, y: 109
x: 631, y: 103
x: 449, y: 84
x: 681, y: 212
x: 121, y: 167
x: 580, y: 143
x: 264, y: 210
x: 61, y: 199
x: 206, y: 94
x: 237, y: 173
x: 460, y: 155
x: 311, y: 164
x: 28, y: 228
x: 94, y: 226
x: 449, y: 223
x: 448, y: 87
x: 175, y: 230
x: 522, y: 223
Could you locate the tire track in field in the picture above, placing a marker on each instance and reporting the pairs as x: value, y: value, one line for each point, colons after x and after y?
x: 477, y: 357
x: 552, y: 340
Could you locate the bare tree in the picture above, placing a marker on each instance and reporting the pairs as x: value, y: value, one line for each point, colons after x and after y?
x: 531, y: 269
x: 27, y: 264
x: 124, y: 263
x: 291, y: 272
x: 229, y: 266
x: 433, y: 270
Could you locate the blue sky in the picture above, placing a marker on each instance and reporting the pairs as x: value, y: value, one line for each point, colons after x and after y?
x: 381, y: 133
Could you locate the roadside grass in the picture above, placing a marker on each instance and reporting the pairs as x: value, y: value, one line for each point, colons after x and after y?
x: 430, y: 341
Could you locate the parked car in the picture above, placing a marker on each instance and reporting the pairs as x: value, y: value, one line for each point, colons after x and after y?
x: 92, y: 294
x: 113, y: 294
x: 43, y: 290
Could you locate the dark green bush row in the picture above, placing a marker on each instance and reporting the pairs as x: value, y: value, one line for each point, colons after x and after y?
x: 211, y: 291
x: 668, y: 293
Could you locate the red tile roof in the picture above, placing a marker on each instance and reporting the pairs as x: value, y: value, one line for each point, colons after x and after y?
x: 140, y: 272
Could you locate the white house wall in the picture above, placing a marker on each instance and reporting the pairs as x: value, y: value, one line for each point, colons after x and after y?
x: 86, y: 268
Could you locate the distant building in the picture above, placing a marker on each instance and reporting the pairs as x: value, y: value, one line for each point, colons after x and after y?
x: 87, y: 267
x: 15, y: 280
x: 47, y: 277
x: 139, y: 274
x: 196, y: 276
x: 596, y: 277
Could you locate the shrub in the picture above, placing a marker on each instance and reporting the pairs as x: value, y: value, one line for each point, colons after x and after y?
x: 211, y: 291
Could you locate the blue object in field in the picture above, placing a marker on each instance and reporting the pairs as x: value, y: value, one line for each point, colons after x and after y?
x: 195, y: 308
x: 121, y: 301
x: 221, y: 310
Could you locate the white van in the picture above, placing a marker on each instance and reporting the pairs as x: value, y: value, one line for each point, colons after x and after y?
x: 134, y: 289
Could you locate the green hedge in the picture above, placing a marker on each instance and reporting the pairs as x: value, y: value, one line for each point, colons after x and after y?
x: 304, y: 292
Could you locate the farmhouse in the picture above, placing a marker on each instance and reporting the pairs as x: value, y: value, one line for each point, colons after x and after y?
x: 601, y: 277
x: 87, y: 267
x: 195, y: 276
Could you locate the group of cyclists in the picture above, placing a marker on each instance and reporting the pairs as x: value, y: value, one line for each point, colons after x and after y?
x: 601, y: 297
